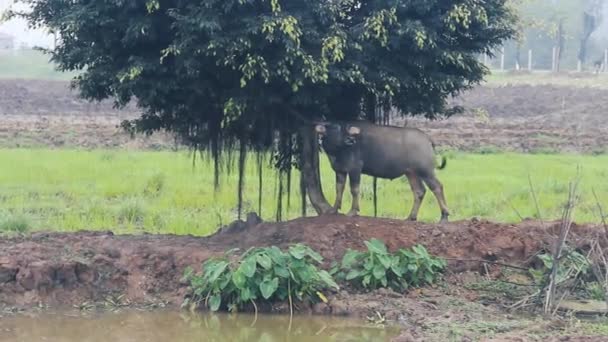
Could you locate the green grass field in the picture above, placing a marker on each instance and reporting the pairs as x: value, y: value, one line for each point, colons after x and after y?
x: 29, y: 64
x: 161, y: 192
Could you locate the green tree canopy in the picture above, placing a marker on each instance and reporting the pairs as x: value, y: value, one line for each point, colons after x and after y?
x: 252, y: 74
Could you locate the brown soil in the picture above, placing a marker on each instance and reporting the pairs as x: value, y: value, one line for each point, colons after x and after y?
x: 517, y: 118
x: 72, y: 268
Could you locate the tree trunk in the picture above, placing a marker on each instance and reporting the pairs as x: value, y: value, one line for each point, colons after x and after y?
x: 310, y: 171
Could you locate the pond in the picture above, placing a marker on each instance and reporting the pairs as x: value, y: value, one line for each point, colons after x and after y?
x: 165, y: 326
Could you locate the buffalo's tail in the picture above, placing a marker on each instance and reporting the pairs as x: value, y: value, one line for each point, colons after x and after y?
x: 444, y: 163
x: 444, y: 160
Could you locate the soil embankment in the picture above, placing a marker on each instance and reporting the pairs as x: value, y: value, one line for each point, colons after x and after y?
x: 74, y: 268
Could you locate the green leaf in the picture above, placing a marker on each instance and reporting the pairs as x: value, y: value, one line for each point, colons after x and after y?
x: 379, y: 272
x: 366, y: 280
x: 352, y: 274
x: 281, y: 271
x: 376, y: 246
x: 350, y: 258
x: 239, y: 279
x: 248, y: 267
x: 264, y: 261
x: 276, y: 255
x: 188, y: 273
x: 247, y: 295
x: 214, y: 302
x: 328, y: 280
x: 398, y: 270
x: 299, y: 251
x: 269, y: 287
x: 385, y: 260
x: 217, y: 270
x: 384, y: 281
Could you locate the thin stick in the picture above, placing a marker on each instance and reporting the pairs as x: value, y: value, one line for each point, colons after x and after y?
x: 521, y: 218
x: 290, y: 304
x: 601, y: 210
x: 563, y: 235
x: 535, y: 200
x: 255, y: 317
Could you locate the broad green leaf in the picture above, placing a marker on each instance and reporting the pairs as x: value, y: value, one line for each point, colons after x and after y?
x: 239, y: 279
x: 352, y: 274
x: 379, y: 272
x: 218, y: 269
x: 247, y: 295
x: 398, y: 270
x: 269, y: 287
x: 376, y: 246
x: 385, y: 260
x: 214, y: 302
x: 281, y: 271
x: 276, y: 255
x: 248, y: 267
x: 264, y: 261
x: 328, y: 280
x: 384, y: 281
x: 350, y: 258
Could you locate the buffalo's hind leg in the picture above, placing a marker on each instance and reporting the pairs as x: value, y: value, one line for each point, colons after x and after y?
x: 355, y: 183
x: 418, y: 191
x: 437, y: 188
x: 340, y: 185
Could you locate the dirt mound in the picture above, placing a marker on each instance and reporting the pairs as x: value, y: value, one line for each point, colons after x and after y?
x: 72, y: 268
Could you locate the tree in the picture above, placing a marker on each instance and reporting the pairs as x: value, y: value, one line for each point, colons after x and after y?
x: 252, y: 75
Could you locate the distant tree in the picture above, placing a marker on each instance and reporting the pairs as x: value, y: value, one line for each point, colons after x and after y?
x: 592, y: 17
x: 251, y: 75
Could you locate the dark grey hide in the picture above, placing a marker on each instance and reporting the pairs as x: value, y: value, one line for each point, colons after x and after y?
x: 388, y: 152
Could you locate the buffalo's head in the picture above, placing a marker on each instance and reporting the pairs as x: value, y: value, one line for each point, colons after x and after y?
x: 335, y: 136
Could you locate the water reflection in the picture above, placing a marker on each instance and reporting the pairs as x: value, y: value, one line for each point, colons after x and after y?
x: 168, y: 326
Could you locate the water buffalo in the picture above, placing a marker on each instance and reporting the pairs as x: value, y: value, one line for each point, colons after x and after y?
x: 388, y: 152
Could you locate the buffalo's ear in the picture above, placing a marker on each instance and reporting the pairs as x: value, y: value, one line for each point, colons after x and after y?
x: 354, y: 130
x: 320, y: 129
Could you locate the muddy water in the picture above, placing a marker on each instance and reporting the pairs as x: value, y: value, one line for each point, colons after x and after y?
x: 168, y: 326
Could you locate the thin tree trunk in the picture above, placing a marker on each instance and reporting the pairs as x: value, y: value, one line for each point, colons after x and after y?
x: 311, y: 172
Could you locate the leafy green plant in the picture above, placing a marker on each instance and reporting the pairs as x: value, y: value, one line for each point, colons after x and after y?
x: 268, y: 274
x: 572, y: 262
x: 595, y: 291
x: 377, y: 267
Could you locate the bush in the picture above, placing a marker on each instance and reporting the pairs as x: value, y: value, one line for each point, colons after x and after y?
x: 132, y: 211
x: 155, y: 184
x: 12, y: 223
x: 267, y: 274
x: 378, y: 268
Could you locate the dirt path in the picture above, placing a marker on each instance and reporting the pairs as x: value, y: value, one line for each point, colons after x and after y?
x: 515, y: 118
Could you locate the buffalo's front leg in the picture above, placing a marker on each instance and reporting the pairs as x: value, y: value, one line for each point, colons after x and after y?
x: 340, y: 185
x: 355, y: 182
